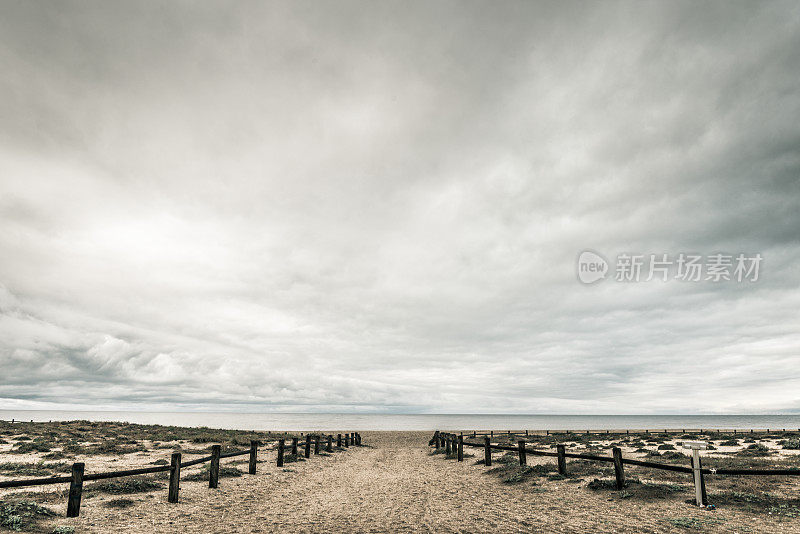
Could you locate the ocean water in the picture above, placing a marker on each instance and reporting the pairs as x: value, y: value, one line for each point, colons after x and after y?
x: 453, y: 422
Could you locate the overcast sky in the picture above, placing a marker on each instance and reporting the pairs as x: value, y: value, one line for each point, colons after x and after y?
x: 377, y: 206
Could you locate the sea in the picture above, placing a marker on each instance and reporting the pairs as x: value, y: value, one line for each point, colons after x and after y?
x: 450, y: 422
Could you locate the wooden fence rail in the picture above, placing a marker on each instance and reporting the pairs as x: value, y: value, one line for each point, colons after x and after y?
x: 734, y: 431
x: 450, y: 441
x: 78, y: 476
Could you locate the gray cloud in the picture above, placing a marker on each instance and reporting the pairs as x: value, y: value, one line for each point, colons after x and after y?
x: 365, y: 206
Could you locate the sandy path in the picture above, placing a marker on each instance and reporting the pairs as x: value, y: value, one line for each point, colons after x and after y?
x: 394, y: 485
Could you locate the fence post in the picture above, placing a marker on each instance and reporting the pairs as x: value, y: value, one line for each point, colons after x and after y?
x: 619, y: 471
x: 316, y: 444
x: 359, y: 438
x: 213, y: 469
x: 702, y: 482
x: 253, y: 456
x: 562, y: 460
x: 698, y: 499
x: 461, y: 448
x: 329, y: 448
x: 338, y: 440
x: 487, y: 452
x: 75, y: 490
x: 447, y: 442
x: 294, y: 446
x: 523, y: 454
x: 174, y: 477
x: 308, y: 447
x: 281, y: 445
x: 436, y: 439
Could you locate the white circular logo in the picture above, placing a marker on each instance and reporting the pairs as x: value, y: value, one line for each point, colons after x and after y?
x: 591, y: 267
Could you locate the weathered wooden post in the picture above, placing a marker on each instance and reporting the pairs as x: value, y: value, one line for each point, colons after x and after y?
x: 294, y: 446
x: 329, y: 447
x: 346, y: 439
x: 213, y: 469
x: 316, y: 444
x: 253, y: 457
x: 491, y: 433
x: 338, y: 440
x: 281, y: 445
x: 702, y: 482
x: 358, y: 437
x: 308, y: 447
x: 487, y: 452
x: 174, y: 477
x: 562, y: 460
x: 436, y: 439
x: 75, y: 490
x: 523, y: 454
x: 461, y: 448
x: 619, y: 471
x: 447, y: 442
x: 701, y: 499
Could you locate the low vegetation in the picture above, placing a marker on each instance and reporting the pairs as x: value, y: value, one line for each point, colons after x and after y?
x: 33, y: 469
x: 123, y: 486
x: 23, y: 515
x: 60, y: 440
x: 224, y: 471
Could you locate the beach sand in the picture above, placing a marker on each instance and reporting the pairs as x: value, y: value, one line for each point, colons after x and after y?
x: 394, y: 484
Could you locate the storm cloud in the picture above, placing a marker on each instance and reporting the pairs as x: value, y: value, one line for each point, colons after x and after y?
x: 378, y: 206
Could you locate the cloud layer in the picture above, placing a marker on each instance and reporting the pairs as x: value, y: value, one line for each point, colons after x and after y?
x: 378, y: 207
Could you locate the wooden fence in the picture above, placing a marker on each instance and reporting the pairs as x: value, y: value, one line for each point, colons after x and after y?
x: 455, y: 443
x: 666, y: 431
x: 78, y: 477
